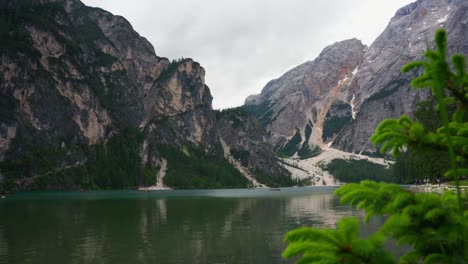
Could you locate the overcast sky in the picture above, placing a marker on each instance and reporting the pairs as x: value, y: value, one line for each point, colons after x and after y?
x: 242, y: 44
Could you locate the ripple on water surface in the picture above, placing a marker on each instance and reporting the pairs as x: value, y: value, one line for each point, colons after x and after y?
x: 183, y: 226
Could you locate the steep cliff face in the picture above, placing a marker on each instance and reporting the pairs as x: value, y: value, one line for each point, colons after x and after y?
x: 343, y: 94
x: 65, y: 54
x: 85, y: 101
x: 294, y: 107
x: 379, y: 88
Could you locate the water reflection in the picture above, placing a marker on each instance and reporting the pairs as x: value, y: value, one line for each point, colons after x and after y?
x: 3, y: 245
x: 238, y: 227
x: 321, y: 210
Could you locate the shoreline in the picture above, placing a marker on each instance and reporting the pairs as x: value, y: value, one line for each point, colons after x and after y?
x: 435, y: 188
x: 153, y: 188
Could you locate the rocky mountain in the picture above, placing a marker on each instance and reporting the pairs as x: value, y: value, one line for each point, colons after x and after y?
x: 85, y: 102
x: 379, y: 88
x: 245, y: 145
x: 296, y: 107
x: 343, y: 94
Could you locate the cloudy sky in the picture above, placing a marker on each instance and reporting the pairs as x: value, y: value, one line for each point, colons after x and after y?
x: 242, y: 44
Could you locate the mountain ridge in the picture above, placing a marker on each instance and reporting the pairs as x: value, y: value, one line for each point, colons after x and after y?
x: 300, y: 99
x: 375, y: 89
x: 87, y: 103
x: 379, y: 82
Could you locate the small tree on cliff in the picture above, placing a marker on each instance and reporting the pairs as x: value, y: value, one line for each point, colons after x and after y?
x: 435, y: 226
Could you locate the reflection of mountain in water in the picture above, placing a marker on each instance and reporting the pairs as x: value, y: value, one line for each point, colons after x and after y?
x: 161, y: 229
x: 324, y: 210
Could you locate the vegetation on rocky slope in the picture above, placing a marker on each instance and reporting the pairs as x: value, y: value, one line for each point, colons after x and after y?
x: 244, y: 136
x: 75, y: 102
x: 193, y: 167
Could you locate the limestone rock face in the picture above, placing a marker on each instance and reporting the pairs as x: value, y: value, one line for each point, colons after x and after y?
x: 343, y: 94
x: 73, y: 77
x: 379, y: 88
x: 299, y: 101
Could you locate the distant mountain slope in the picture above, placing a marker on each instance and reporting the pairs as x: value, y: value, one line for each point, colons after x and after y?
x: 85, y: 102
x: 244, y: 140
x: 343, y: 94
x: 294, y: 107
x: 380, y: 89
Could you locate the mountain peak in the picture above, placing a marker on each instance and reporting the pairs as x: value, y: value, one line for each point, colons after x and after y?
x: 344, y: 46
x: 294, y: 106
x: 342, y: 94
x: 406, y: 10
x: 379, y: 89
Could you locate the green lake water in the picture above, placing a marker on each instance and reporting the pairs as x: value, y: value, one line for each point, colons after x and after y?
x: 193, y: 226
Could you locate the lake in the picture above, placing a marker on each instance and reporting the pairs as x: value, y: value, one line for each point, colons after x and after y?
x: 184, y: 226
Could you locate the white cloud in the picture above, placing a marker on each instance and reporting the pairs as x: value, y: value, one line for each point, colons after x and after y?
x: 244, y: 43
